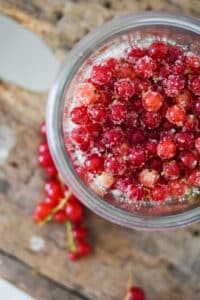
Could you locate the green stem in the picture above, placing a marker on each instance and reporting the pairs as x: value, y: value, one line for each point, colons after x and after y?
x: 60, y: 206
x: 70, y: 238
x: 62, y: 183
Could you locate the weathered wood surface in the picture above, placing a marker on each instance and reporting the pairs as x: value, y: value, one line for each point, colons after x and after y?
x: 167, y: 264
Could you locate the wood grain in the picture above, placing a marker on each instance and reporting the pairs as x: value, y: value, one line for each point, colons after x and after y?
x: 29, y: 280
x: 167, y: 264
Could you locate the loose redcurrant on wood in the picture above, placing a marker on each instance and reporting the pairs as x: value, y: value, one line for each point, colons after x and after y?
x: 135, y: 293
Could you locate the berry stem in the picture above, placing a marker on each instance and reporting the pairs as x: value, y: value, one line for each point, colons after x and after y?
x: 129, y: 285
x: 127, y: 297
x: 60, y: 179
x: 60, y: 206
x: 70, y: 238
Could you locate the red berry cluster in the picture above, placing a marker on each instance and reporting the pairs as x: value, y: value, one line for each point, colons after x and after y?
x: 136, y: 124
x: 60, y: 205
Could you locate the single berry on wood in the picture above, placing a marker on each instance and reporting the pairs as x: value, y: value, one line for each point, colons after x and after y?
x: 135, y: 293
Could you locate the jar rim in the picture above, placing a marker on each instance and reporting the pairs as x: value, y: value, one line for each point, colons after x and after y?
x: 54, y: 119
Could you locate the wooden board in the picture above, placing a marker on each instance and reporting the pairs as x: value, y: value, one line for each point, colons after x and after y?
x: 167, y: 263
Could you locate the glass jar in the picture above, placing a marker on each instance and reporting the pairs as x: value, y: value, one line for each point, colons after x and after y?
x: 136, y: 28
